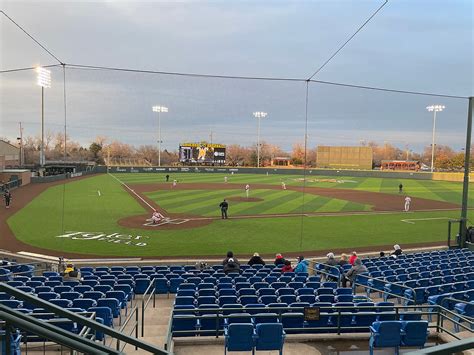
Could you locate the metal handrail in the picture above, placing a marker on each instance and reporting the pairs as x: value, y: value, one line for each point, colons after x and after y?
x: 145, y: 303
x: 324, y: 272
x: 80, y: 319
x: 447, y: 349
x: 50, y: 332
x: 134, y: 328
x: 383, y: 291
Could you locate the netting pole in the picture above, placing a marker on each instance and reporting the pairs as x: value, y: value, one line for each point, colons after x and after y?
x: 465, y: 189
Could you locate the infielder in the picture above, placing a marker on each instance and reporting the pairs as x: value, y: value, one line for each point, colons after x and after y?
x: 407, y: 203
x: 225, y: 179
x: 247, y: 190
x: 283, y: 185
x: 7, y: 196
x: 175, y: 182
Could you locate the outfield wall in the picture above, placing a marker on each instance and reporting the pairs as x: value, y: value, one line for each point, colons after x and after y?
x: 309, y: 172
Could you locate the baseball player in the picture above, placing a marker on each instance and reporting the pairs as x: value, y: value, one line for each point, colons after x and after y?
x: 225, y: 179
x: 283, y: 185
x: 247, y: 190
x: 407, y: 203
x: 175, y: 182
x: 7, y: 196
x: 224, y: 206
x: 157, y: 217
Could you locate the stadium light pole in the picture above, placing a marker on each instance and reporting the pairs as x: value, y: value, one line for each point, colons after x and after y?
x: 159, y: 109
x: 434, y: 109
x: 43, y: 80
x: 259, y: 115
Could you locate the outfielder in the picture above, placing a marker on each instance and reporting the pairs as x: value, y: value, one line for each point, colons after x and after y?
x: 225, y: 179
x: 407, y: 203
x: 247, y: 190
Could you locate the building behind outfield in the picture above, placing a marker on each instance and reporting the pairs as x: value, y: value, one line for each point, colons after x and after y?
x: 9, y: 155
x: 339, y: 157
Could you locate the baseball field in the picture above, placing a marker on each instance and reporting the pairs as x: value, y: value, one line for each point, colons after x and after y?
x: 106, y: 214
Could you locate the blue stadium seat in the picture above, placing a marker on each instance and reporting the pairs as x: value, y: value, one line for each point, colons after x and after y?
x: 414, y: 333
x: 385, y: 335
x: 239, y: 337
x: 269, y: 336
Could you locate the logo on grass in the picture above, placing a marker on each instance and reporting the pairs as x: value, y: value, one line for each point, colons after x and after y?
x: 115, y: 238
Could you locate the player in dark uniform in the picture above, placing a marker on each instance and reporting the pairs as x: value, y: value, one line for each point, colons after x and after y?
x: 167, y: 178
x: 224, y: 206
x: 400, y: 188
x: 7, y: 196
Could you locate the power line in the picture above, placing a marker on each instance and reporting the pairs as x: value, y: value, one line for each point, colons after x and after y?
x: 348, y: 40
x: 27, y: 68
x: 29, y: 35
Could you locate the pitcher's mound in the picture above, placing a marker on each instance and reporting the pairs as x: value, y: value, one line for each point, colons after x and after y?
x: 244, y: 199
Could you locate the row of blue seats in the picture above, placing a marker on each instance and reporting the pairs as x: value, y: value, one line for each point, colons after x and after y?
x: 419, y: 280
x: 419, y: 261
x: 430, y: 270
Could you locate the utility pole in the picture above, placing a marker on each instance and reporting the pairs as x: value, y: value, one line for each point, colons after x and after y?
x: 210, y: 136
x: 22, y: 153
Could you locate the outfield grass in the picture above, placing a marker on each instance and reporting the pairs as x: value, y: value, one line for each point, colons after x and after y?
x: 44, y: 218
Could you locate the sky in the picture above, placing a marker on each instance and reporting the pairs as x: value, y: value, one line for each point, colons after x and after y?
x: 410, y: 45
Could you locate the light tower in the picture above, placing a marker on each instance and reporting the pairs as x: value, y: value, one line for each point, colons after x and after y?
x: 434, y: 109
x: 259, y: 115
x: 159, y: 109
x: 43, y: 80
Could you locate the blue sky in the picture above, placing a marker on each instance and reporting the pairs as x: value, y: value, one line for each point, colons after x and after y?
x: 413, y: 45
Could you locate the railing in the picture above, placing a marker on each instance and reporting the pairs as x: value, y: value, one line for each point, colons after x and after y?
x: 20, y: 295
x: 444, y: 312
x: 328, y: 274
x: 17, y: 319
x: 10, y: 185
x: 152, y: 290
x: 338, y: 312
x: 447, y: 349
x: 384, y: 291
x: 133, y: 312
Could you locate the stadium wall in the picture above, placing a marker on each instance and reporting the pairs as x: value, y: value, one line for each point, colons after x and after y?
x: 286, y: 171
x: 452, y: 177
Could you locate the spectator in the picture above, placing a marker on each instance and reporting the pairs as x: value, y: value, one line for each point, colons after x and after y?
x: 230, y: 255
x: 287, y: 267
x: 382, y: 254
x: 231, y: 266
x: 302, y: 265
x: 351, y: 275
x: 353, y: 258
x: 279, y: 261
x: 328, y: 265
x: 343, y: 260
x: 397, y: 251
x: 71, y: 272
x: 256, y: 260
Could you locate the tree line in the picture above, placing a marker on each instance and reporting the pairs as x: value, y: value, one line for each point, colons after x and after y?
x: 103, y: 149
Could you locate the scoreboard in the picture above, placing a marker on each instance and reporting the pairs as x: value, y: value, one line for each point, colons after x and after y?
x: 202, y: 153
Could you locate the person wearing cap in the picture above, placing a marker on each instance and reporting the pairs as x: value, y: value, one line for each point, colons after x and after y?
x: 329, y: 264
x: 343, y: 260
x: 302, y: 265
x: 256, y: 259
x: 279, y: 260
x: 231, y: 266
x: 230, y: 255
x: 351, y: 275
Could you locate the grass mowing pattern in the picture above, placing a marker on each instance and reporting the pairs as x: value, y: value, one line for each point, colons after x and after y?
x: 41, y: 220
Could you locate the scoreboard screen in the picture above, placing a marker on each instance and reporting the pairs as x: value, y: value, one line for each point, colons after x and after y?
x: 202, y: 153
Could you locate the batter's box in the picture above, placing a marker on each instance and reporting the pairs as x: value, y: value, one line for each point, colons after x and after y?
x: 149, y: 222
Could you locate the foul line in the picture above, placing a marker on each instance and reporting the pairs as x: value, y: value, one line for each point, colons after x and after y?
x: 132, y: 191
x: 410, y: 221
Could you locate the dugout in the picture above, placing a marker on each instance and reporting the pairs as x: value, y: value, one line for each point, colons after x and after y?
x: 281, y: 161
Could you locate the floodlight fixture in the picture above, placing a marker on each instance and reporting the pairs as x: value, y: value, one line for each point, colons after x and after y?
x: 43, y: 77
x: 159, y: 109
x: 434, y: 109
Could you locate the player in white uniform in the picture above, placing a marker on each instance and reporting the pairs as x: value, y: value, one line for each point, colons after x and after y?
x: 247, y: 190
x: 157, y: 217
x: 283, y: 185
x: 407, y: 203
x: 175, y: 182
x: 225, y: 179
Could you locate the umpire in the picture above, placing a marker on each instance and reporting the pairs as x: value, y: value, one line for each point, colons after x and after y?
x: 224, y: 206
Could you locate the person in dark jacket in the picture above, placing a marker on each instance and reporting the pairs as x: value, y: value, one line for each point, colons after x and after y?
x: 351, y: 275
x: 279, y: 260
x: 224, y: 206
x: 397, y: 251
x: 256, y: 259
x: 230, y: 255
x: 231, y: 266
x: 343, y: 260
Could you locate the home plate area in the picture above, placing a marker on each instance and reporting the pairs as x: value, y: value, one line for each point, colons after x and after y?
x: 166, y: 220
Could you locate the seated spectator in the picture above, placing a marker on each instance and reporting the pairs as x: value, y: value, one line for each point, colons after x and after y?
x: 71, y: 272
x: 231, y: 266
x: 287, y: 267
x: 302, y: 265
x: 229, y: 256
x: 343, y: 260
x: 256, y: 260
x: 353, y: 258
x: 382, y: 254
x: 397, y: 251
x: 331, y: 261
x: 351, y: 275
x: 279, y: 260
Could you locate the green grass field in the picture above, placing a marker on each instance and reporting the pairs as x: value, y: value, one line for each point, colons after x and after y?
x: 77, y: 206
